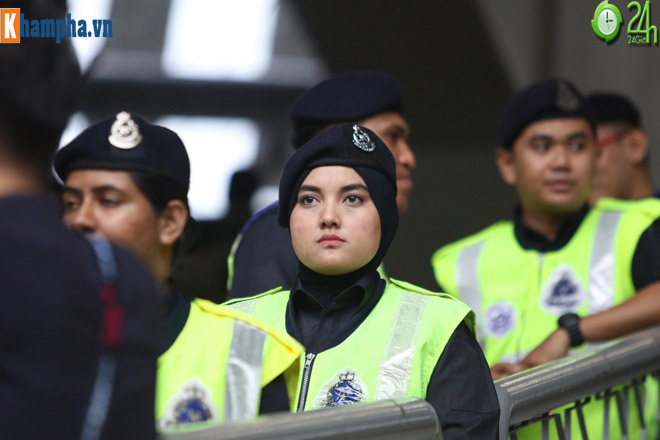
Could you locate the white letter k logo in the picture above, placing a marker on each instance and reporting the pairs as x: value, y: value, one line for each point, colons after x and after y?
x: 9, y: 25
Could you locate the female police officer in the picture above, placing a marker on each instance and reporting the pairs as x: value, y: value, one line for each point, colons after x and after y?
x: 366, y: 338
x: 129, y: 179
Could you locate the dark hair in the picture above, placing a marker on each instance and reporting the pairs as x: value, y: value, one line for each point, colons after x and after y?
x: 40, y: 85
x: 160, y: 190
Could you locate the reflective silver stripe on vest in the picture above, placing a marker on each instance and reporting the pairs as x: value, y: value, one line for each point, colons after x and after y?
x: 395, y: 368
x: 467, y: 282
x: 602, y: 267
x: 246, y: 307
x: 243, y: 387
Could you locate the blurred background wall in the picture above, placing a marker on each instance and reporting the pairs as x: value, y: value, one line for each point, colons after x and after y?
x: 222, y: 73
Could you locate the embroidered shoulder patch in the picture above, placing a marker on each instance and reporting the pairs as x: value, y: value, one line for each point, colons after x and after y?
x: 500, y: 319
x: 192, y: 404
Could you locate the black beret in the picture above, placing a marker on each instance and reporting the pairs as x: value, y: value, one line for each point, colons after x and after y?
x: 350, y: 97
x: 547, y: 99
x: 126, y: 143
x: 345, y: 145
x: 610, y: 107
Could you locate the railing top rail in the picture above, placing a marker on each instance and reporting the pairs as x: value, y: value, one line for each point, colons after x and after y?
x: 408, y: 418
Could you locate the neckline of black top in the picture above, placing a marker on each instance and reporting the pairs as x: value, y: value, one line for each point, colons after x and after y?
x: 529, y: 239
x: 320, y: 327
x: 174, y: 310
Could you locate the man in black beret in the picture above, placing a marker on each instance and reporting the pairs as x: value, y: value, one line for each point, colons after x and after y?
x: 262, y: 257
x: 559, y: 274
x: 622, y: 145
x: 79, y: 335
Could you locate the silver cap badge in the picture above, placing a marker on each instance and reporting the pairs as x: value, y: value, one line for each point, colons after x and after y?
x: 566, y: 99
x: 362, y: 140
x: 125, y: 133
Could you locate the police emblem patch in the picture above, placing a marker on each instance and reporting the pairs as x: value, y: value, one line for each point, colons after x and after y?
x: 362, y: 140
x: 566, y: 99
x: 500, y: 319
x: 192, y: 404
x: 124, y: 133
x: 563, y: 293
x: 344, y: 388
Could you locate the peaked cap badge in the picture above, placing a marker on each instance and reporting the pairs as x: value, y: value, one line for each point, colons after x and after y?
x: 567, y: 100
x: 362, y: 140
x: 125, y: 133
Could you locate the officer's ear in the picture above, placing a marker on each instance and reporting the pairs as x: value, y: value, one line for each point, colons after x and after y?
x: 504, y: 161
x: 636, y: 146
x: 172, y: 221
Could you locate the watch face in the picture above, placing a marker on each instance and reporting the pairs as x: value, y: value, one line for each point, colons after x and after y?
x: 607, y: 22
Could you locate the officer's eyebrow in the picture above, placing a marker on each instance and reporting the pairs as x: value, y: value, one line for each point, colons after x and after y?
x: 310, y: 188
x: 353, y: 187
x: 70, y: 189
x: 97, y: 189
x: 400, y: 129
x: 579, y: 134
x: 547, y: 137
x: 107, y: 187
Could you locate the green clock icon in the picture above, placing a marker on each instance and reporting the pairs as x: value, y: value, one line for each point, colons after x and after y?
x: 607, y: 21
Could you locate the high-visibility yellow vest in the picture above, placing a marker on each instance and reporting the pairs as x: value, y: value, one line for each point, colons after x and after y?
x: 217, y: 367
x: 518, y: 294
x: 391, y: 355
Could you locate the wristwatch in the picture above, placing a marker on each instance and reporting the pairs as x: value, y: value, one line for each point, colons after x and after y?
x: 571, y: 322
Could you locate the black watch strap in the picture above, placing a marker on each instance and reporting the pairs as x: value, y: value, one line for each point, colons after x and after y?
x: 571, y: 322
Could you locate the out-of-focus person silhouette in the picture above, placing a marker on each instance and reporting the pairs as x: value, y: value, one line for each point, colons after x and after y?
x: 622, y: 160
x: 203, y: 269
x: 78, y: 337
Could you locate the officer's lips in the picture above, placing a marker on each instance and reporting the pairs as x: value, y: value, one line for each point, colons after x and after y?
x: 330, y: 240
x: 560, y: 185
x: 404, y: 181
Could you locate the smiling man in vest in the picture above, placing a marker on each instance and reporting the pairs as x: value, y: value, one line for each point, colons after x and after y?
x: 559, y: 274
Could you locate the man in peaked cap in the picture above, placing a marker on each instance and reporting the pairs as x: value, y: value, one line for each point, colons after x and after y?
x: 622, y: 164
x: 559, y: 274
x: 128, y: 179
x: 70, y: 325
x: 262, y: 257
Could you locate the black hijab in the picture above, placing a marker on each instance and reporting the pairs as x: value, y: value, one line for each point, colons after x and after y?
x: 360, y: 149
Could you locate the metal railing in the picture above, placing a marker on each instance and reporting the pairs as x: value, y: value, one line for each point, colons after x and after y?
x: 531, y: 395
x: 527, y: 397
x: 410, y: 419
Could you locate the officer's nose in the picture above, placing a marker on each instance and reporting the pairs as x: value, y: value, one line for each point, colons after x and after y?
x: 330, y: 216
x: 561, y: 157
x: 405, y: 157
x: 82, y: 219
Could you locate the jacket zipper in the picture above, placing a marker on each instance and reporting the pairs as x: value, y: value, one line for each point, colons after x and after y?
x: 307, y: 372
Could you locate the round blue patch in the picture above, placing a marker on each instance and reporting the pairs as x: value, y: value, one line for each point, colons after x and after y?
x: 500, y: 319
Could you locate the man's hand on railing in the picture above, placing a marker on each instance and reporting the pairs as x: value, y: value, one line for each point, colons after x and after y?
x: 555, y: 346
x: 504, y: 369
